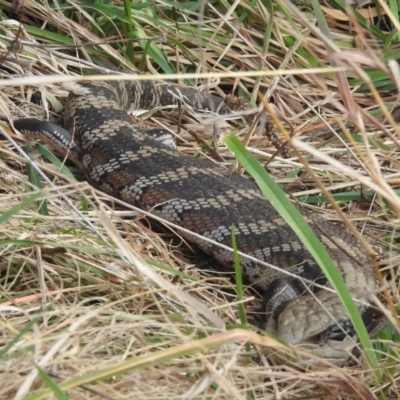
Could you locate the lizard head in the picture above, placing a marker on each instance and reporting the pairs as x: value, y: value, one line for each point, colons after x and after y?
x: 305, y: 324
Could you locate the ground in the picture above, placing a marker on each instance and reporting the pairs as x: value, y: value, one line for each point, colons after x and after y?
x: 94, y: 304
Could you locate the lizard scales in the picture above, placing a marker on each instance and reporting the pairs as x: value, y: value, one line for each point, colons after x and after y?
x: 127, y: 162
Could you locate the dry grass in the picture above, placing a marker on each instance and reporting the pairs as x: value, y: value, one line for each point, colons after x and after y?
x: 82, y: 315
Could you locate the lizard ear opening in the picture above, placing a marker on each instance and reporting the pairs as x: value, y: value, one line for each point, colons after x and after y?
x: 338, y: 332
x: 341, y: 331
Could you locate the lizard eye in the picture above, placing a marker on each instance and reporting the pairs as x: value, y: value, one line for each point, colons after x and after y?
x: 319, y: 338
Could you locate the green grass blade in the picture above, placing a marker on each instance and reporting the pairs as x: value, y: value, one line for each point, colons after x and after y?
x: 18, y: 337
x: 238, y: 279
x: 46, y: 153
x: 25, y: 203
x: 52, y: 385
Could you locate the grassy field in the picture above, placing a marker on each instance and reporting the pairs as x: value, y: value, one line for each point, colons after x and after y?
x: 95, y: 304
